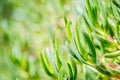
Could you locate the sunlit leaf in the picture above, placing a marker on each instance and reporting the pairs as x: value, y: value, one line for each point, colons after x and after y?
x: 46, y: 65
x: 58, y: 61
x: 68, y: 29
x: 91, y: 46
x: 112, y: 55
x: 74, y: 67
x: 70, y: 72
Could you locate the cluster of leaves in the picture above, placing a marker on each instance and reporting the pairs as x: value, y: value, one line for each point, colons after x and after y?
x: 23, y: 33
x: 93, y: 42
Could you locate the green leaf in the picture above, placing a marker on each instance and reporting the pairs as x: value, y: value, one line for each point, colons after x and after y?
x: 92, y: 13
x: 78, y: 54
x: 91, y: 46
x: 116, y: 71
x: 70, y: 72
x: 115, y: 12
x: 46, y: 65
x: 63, y: 74
x: 104, y: 41
x: 68, y: 29
x: 74, y: 68
x: 77, y: 38
x: 92, y: 27
x: 116, y: 3
x: 117, y: 30
x: 103, y: 70
x: 112, y: 55
x: 58, y: 61
x: 102, y: 10
x: 72, y: 52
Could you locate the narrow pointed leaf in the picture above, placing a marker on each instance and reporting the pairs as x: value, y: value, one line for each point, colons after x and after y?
x: 116, y: 3
x: 91, y: 13
x: 77, y: 38
x: 78, y: 54
x: 102, y: 10
x: 112, y: 55
x: 91, y: 46
x: 44, y: 66
x: 58, y: 61
x: 115, y: 12
x: 74, y: 68
x: 117, y: 30
x: 72, y: 52
x: 68, y: 29
x: 70, y: 72
x: 116, y: 71
x: 63, y: 74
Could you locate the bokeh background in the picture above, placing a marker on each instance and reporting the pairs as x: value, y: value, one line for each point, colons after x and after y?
x: 25, y: 26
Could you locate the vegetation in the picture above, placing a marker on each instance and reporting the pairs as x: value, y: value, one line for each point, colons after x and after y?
x: 76, y: 40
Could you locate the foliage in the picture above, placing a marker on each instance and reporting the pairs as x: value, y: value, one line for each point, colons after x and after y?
x: 93, y: 42
x: 84, y: 37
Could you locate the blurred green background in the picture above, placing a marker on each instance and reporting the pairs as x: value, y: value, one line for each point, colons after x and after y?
x: 24, y: 33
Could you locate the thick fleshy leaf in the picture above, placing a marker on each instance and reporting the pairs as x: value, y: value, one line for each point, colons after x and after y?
x: 91, y: 46
x: 117, y: 30
x: 74, y: 68
x: 115, y: 71
x: 77, y: 38
x: 116, y: 3
x: 46, y: 65
x: 58, y: 61
x: 115, y: 12
x: 92, y: 13
x: 112, y: 55
x: 63, y: 74
x: 103, y: 70
x: 72, y: 52
x: 89, y: 23
x: 104, y: 15
x: 78, y: 54
x: 68, y: 29
x: 104, y: 41
x: 70, y: 72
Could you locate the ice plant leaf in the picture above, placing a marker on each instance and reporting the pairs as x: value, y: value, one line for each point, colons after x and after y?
x: 102, y: 10
x: 70, y: 72
x: 58, y: 61
x: 68, y: 29
x: 74, y: 68
x: 103, y: 70
x: 115, y: 12
x: 116, y: 3
x: 63, y: 74
x: 116, y: 71
x: 91, y: 46
x: 104, y: 41
x: 72, y: 52
x: 77, y: 38
x: 112, y: 55
x: 88, y: 22
x: 91, y: 12
x: 45, y: 66
x: 78, y: 54
x: 117, y: 29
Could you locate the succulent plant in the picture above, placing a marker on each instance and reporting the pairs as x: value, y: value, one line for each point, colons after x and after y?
x: 93, y: 44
